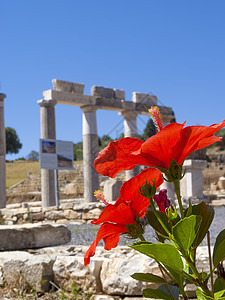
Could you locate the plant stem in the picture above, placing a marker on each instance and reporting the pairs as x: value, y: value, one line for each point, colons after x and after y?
x: 164, y: 277
x: 177, y: 190
x: 203, y: 285
x: 210, y: 262
x: 142, y: 238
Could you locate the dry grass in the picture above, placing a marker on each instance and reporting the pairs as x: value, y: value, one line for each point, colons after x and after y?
x: 18, y: 170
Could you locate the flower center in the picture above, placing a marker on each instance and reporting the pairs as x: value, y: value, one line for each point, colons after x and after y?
x: 101, y: 197
x: 156, y: 117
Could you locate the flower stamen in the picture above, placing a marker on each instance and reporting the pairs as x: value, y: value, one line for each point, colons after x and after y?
x: 101, y: 197
x: 156, y: 117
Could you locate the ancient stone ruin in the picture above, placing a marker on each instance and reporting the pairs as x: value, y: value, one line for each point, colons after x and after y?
x: 101, y: 98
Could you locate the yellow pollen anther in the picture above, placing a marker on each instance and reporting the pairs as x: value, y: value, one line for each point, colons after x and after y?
x: 156, y: 117
x: 100, y: 197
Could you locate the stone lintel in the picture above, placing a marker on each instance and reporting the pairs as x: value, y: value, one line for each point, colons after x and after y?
x: 69, y: 98
x: 195, y: 164
x: 67, y: 86
x: 100, y: 91
x: 104, y: 103
x: 144, y: 98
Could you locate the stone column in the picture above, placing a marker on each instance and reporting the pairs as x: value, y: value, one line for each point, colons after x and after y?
x: 47, y: 132
x: 130, y: 130
x: 2, y: 154
x: 90, y: 152
x: 192, y: 183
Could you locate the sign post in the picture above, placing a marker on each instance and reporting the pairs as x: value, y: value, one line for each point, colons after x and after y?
x: 56, y: 155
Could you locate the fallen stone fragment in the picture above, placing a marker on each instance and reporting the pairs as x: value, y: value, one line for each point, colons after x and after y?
x: 17, y: 237
x: 70, y: 271
x: 24, y: 271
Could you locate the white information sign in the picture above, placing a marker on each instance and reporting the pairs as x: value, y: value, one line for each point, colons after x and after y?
x: 57, y: 155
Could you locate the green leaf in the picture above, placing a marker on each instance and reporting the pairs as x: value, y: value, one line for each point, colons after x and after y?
x: 153, y: 221
x: 219, y: 284
x: 207, y: 214
x: 186, y: 230
x: 219, y: 294
x: 156, y: 294
x: 167, y: 254
x: 166, y: 289
x: 148, y: 277
x: 188, y: 212
x: 201, y: 296
x: 219, y: 248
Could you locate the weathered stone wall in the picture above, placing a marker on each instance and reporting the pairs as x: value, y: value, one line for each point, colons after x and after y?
x: 69, y: 210
x: 107, y: 276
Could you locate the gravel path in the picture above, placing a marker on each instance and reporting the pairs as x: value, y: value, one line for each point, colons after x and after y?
x: 85, y: 234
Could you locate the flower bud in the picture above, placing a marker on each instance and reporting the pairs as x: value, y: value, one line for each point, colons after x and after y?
x: 174, y: 172
x: 147, y: 190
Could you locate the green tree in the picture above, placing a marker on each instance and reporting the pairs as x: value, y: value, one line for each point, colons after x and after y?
x: 78, y: 151
x: 33, y: 156
x: 103, y: 142
x: 221, y: 144
x: 149, y: 130
x: 121, y: 136
x: 13, y: 144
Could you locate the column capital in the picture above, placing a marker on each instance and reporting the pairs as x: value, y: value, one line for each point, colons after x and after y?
x: 88, y: 108
x: 129, y: 114
x: 2, y: 96
x: 47, y: 103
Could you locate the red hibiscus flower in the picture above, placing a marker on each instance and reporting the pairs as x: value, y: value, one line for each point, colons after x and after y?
x: 128, y: 207
x: 173, y: 142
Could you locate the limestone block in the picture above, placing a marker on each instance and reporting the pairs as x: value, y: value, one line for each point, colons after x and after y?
x: 111, y: 189
x: 54, y: 215
x: 115, y: 274
x: 71, y: 214
x: 32, y: 236
x: 36, y: 217
x: 119, y: 94
x: 64, y: 206
x: 35, y: 209
x: 107, y: 297
x: 92, y: 214
x: 49, y: 208
x: 86, y: 206
x: 74, y: 188
x: 70, y: 270
x: 213, y: 187
x: 66, y: 86
x: 22, y: 270
x: 62, y: 221
x: 144, y: 98
x: 102, y: 92
x: 221, y: 183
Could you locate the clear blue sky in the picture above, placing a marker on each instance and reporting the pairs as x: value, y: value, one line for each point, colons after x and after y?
x: 174, y: 49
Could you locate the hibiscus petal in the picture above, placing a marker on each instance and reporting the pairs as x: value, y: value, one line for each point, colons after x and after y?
x: 194, y: 138
x: 118, y: 214
x: 118, y: 156
x: 157, y: 150
x: 129, y: 190
x: 110, y: 233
